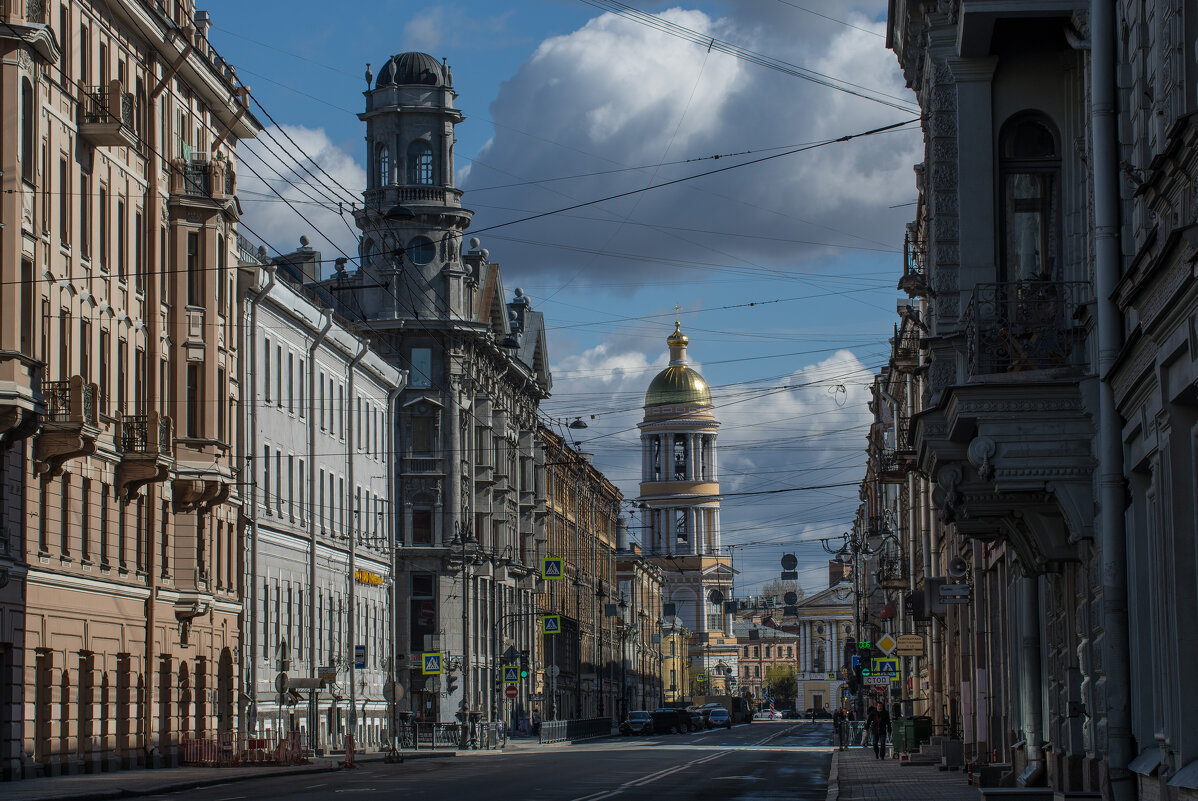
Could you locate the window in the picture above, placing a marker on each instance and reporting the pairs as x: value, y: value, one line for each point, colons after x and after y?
x: 756, y: 651
x: 139, y: 256
x: 139, y: 381
x: 422, y: 435
x: 194, y: 399
x: 1030, y: 167
x: 221, y: 298
x: 266, y: 479
x: 165, y: 540
x: 291, y: 382
x: 767, y: 652
x: 320, y: 508
x: 28, y: 123
x: 301, y: 497
x: 341, y: 411
x: 64, y: 203
x: 422, y: 368
x: 291, y: 487
x: 322, y: 402
x: 384, y: 174
x: 746, y: 650
x: 103, y: 223
x: 278, y: 482
x: 195, y: 275
x: 420, y: 162
x: 27, y: 287
x: 104, y: 525
x: 64, y: 523
x: 122, y: 239
x: 299, y: 389
x: 164, y: 272
x: 266, y: 371
x: 85, y: 350
x: 279, y: 375
x: 122, y: 369
x: 85, y: 215
x: 105, y: 367
x: 422, y: 526
x: 358, y: 420
x: 221, y: 392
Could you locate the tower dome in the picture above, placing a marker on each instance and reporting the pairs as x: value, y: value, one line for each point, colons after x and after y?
x: 678, y: 383
x: 412, y: 68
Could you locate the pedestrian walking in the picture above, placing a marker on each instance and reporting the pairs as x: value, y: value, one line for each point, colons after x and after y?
x: 840, y: 723
x: 878, y: 725
x: 536, y: 722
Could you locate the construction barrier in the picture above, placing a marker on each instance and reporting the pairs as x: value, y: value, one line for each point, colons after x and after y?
x: 231, y: 750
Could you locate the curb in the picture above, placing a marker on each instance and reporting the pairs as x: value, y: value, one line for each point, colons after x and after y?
x: 834, y: 778
x: 194, y: 784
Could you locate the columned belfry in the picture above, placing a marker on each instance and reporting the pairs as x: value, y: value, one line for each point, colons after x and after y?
x: 680, y: 494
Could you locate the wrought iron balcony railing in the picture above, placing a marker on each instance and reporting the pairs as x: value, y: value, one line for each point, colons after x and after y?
x: 68, y: 403
x: 197, y: 180
x: 1017, y: 326
x: 143, y: 434
x: 103, y: 104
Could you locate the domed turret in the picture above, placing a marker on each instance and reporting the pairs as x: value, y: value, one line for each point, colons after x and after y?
x: 678, y: 383
x: 412, y: 68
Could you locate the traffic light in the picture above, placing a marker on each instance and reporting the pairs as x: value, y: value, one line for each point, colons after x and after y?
x: 451, y: 681
x: 524, y: 664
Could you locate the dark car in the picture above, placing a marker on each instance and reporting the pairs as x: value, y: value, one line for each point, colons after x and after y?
x: 720, y: 717
x: 697, y: 721
x: 705, y: 713
x: 670, y: 721
x: 639, y: 722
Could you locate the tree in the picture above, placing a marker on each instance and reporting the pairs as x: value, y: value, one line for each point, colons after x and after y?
x: 777, y: 589
x: 781, y: 682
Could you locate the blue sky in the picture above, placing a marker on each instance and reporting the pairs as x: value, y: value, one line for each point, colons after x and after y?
x: 784, y: 270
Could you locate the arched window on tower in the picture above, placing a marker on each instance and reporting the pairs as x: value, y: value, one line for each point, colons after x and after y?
x: 679, y: 457
x: 420, y: 162
x: 681, y: 530
x: 384, y: 162
x: 1030, y: 166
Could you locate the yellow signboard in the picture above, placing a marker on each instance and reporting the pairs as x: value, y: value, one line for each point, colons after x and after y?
x: 366, y: 577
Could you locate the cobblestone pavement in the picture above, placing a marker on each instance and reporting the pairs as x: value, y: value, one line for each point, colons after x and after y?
x: 862, y: 777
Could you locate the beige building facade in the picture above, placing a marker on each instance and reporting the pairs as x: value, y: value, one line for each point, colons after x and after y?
x: 118, y: 386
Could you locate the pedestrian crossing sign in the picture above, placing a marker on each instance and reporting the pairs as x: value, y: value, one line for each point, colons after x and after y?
x: 432, y: 663
x: 552, y: 567
x: 551, y: 624
x: 511, y: 674
x: 886, y: 667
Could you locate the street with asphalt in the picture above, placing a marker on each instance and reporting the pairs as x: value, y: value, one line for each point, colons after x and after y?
x: 765, y: 760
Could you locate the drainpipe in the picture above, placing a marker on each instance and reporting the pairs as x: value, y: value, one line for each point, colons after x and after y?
x: 389, y: 457
x: 1113, y: 536
x: 313, y: 520
x: 250, y: 381
x: 350, y: 451
x: 1030, y: 678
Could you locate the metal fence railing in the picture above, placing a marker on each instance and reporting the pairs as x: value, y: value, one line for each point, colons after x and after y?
x: 231, y: 749
x: 561, y: 731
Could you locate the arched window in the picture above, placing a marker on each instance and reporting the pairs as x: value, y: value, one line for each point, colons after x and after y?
x: 384, y: 176
x: 1030, y: 170
x: 27, y: 135
x: 420, y: 162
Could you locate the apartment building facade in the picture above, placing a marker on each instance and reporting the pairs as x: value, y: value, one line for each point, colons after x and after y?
x: 119, y: 385
x: 320, y: 591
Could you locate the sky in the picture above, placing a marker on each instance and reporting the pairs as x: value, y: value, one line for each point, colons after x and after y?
x: 780, y: 247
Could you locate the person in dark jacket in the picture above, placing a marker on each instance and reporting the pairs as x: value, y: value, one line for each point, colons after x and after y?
x: 878, y: 725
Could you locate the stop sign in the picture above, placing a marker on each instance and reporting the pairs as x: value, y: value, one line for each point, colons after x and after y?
x: 510, y: 692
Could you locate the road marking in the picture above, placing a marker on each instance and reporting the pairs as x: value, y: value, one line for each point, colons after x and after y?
x: 650, y: 778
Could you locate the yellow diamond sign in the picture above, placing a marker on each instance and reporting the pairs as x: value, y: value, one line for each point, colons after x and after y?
x: 886, y: 643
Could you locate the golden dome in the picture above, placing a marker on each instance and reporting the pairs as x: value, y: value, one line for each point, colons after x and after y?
x: 678, y: 384
x: 677, y: 339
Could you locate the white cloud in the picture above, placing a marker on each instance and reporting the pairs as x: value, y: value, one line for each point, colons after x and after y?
x: 311, y: 193
x: 614, y: 94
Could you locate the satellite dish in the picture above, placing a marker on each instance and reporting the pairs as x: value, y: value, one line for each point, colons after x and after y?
x: 789, y: 561
x: 958, y: 567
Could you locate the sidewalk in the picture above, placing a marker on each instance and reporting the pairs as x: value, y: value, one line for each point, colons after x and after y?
x: 856, y: 775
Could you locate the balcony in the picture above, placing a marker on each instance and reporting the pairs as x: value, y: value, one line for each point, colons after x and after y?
x: 106, y: 116
x: 146, y: 445
x: 385, y: 197
x: 71, y: 425
x: 891, y: 468
x: 1021, y: 326
x: 21, y: 408
x: 484, y: 475
x: 26, y: 11
x: 201, y: 180
x: 892, y: 571
x: 419, y: 465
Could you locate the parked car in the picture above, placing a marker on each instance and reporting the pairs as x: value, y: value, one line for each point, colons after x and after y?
x: 697, y: 721
x: 790, y: 714
x: 638, y: 722
x: 819, y: 713
x: 705, y: 713
x: 671, y: 721
x: 720, y: 717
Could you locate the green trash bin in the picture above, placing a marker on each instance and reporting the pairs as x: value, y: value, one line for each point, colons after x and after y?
x: 922, y: 730
x: 900, y: 736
